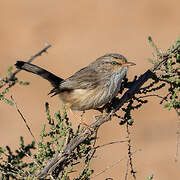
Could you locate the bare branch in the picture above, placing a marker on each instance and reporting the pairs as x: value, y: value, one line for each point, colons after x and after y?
x: 113, y: 142
x: 23, y: 119
x: 12, y: 77
x: 127, y: 167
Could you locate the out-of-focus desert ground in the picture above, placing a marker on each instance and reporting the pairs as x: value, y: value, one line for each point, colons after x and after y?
x: 80, y: 31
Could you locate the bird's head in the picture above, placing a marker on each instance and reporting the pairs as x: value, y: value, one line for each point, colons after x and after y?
x: 112, y: 62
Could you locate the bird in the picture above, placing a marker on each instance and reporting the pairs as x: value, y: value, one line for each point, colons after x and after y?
x: 89, y: 88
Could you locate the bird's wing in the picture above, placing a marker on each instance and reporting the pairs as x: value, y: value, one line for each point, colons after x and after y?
x: 86, y: 78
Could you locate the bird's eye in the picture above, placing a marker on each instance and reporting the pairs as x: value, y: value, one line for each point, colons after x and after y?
x: 114, y: 63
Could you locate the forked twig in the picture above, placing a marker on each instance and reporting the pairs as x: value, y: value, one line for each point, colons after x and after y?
x: 112, y: 165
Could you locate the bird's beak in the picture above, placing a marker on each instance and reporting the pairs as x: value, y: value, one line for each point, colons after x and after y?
x: 129, y: 64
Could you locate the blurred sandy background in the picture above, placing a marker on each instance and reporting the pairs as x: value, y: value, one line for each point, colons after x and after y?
x: 80, y: 31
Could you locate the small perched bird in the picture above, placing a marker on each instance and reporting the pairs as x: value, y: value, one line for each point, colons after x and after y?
x: 89, y: 88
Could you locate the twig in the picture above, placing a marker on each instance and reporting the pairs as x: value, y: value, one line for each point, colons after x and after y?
x: 113, y: 142
x: 156, y: 50
x: 112, y: 165
x: 151, y: 95
x: 156, y: 95
x: 177, y: 137
x: 127, y: 167
x: 12, y: 77
x: 23, y: 119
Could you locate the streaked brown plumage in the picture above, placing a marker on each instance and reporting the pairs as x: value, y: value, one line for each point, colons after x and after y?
x: 89, y: 88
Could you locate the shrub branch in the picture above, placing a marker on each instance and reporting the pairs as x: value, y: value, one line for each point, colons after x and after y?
x: 66, y: 152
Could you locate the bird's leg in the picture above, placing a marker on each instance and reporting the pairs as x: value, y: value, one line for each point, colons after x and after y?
x: 81, y: 121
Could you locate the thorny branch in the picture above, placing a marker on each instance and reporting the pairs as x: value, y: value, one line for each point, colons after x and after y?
x: 12, y: 78
x: 69, y: 148
x: 130, y: 153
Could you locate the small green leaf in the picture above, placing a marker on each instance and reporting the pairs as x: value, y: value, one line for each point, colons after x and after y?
x: 152, y: 61
x: 130, y: 121
x: 9, y: 71
x: 2, y: 151
x: 24, y: 83
x: 150, y: 177
x: 8, y: 101
x: 149, y: 38
x: 66, y: 173
x: 42, y: 132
